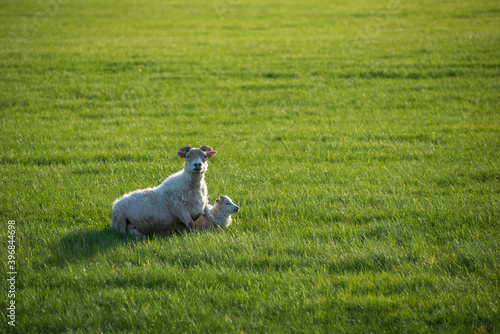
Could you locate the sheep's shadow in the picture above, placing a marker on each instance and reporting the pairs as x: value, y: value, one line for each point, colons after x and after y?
x: 83, y: 245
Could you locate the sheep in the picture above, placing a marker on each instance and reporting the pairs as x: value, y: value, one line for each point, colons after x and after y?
x: 173, y: 205
x: 221, y: 211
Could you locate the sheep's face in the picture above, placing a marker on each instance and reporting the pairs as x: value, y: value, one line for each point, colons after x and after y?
x: 226, y: 204
x: 196, y: 158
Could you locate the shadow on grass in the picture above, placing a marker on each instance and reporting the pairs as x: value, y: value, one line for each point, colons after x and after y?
x: 83, y: 245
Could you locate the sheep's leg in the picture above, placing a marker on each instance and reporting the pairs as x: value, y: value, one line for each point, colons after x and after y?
x: 121, y: 224
x: 131, y: 229
x: 186, y: 219
x: 217, y: 226
x: 209, y: 216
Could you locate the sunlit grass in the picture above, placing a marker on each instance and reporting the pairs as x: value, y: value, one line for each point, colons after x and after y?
x: 360, y: 140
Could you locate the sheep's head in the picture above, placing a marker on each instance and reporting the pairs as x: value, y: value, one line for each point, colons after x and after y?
x: 196, y: 158
x: 227, y: 204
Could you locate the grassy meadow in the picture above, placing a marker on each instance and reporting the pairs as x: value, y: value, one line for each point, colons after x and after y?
x: 361, y: 140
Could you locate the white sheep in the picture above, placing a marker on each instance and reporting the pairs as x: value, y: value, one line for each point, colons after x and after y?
x: 173, y: 205
x: 221, y: 211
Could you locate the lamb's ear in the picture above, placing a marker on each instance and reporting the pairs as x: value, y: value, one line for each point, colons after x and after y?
x: 217, y: 200
x: 183, y: 151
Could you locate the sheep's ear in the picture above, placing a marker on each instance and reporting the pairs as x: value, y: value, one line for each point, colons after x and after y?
x: 210, y: 152
x: 183, y: 151
x: 217, y: 200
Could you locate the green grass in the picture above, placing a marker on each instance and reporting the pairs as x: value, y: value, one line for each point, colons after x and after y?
x: 360, y: 139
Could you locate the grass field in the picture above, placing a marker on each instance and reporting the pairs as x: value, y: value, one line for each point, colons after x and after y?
x: 361, y: 140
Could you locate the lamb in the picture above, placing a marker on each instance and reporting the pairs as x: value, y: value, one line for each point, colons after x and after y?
x: 171, y: 206
x: 221, y: 211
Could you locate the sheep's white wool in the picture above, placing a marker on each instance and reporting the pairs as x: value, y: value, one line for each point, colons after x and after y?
x: 221, y: 211
x: 173, y: 205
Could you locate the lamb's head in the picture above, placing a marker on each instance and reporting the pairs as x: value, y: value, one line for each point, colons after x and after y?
x: 196, y: 158
x: 225, y: 204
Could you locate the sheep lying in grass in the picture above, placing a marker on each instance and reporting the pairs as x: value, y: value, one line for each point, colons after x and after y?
x: 221, y: 211
x: 173, y: 205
